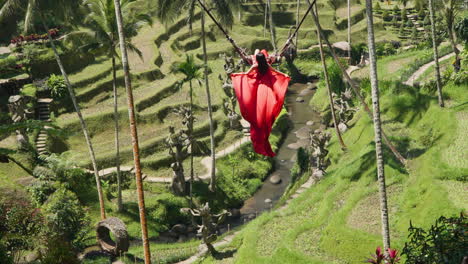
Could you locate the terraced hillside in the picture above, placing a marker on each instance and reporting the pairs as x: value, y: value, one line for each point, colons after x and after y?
x: 157, y: 92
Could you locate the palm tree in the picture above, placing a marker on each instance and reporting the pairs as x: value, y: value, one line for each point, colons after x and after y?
x: 450, y: 11
x: 436, y: 54
x: 327, y: 82
x: 101, y: 20
x: 133, y: 131
x: 354, y: 86
x: 168, y: 11
x: 191, y: 71
x: 377, y: 127
x: 60, y: 9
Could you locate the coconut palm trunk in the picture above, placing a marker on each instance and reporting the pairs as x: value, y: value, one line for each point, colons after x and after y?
x: 265, y: 22
x: 327, y: 82
x: 298, y: 5
x: 19, y: 164
x: 272, y: 26
x: 210, y: 111
x: 377, y: 127
x: 134, y: 134
x: 436, y: 54
x: 116, y: 133
x: 349, y: 29
x: 191, y: 144
x: 84, y: 128
x: 355, y: 88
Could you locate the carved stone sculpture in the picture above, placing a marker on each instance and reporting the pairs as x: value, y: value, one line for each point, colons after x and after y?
x: 230, y: 102
x: 318, y: 143
x: 17, y: 105
x: 209, y: 228
x: 176, y: 143
x: 344, y: 110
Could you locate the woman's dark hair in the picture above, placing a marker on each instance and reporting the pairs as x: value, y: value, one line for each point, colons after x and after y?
x: 262, y: 63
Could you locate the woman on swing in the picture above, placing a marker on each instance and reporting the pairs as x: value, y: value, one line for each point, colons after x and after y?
x: 260, y: 92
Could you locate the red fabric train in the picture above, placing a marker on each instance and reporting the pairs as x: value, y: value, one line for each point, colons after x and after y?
x: 261, y: 98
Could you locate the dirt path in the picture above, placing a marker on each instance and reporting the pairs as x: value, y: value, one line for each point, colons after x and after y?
x: 424, y: 68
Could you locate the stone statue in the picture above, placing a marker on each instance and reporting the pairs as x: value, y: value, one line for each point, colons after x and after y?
x: 17, y: 105
x: 318, y: 143
x: 209, y: 228
x: 176, y: 143
x: 344, y: 110
x: 230, y: 102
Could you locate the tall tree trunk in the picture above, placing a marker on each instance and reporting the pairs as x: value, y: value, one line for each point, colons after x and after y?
x: 327, y: 82
x: 297, y: 21
x: 272, y: 26
x: 355, y: 88
x: 116, y: 132
x: 134, y: 134
x: 84, y: 128
x: 349, y: 30
x: 377, y: 127
x: 265, y: 22
x: 456, y: 65
x: 191, y: 145
x: 210, y: 111
x: 436, y: 54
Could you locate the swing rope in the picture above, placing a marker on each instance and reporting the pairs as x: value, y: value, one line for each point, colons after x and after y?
x: 241, y: 52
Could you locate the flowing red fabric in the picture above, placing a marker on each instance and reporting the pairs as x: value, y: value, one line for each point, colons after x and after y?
x: 261, y: 98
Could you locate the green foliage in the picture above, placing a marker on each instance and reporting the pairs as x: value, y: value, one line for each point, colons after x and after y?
x: 335, y: 76
x: 165, y: 210
x: 66, y: 218
x: 445, y: 242
x: 29, y: 90
x: 421, y: 14
x: 20, y: 224
x: 57, y: 86
x: 461, y: 29
x: 58, y: 251
x: 396, y: 10
x: 40, y: 191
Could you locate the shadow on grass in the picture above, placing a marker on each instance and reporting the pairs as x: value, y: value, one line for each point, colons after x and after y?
x: 225, y: 254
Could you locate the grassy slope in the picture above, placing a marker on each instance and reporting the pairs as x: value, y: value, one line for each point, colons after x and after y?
x: 338, y: 220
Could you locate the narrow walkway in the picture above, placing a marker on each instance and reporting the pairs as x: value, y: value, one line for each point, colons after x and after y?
x: 43, y: 108
x: 424, y: 68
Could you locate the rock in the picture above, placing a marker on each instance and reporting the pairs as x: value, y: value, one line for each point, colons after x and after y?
x: 318, y: 174
x: 267, y: 201
x: 310, y: 123
x: 235, y: 213
x: 303, y: 133
x: 299, y: 99
x: 305, y: 92
x: 275, y: 179
x: 342, y: 127
x: 190, y: 229
x: 179, y: 229
x: 311, y: 86
x: 300, y: 143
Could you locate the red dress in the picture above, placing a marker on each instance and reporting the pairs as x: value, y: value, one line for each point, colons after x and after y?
x: 261, y: 99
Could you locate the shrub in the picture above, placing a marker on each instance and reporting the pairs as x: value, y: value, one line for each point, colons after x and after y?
x: 461, y: 29
x: 165, y: 209
x: 396, y: 9
x: 421, y: 14
x: 444, y: 242
x: 40, y: 191
x: 66, y: 218
x: 57, y: 86
x: 336, y: 79
x: 20, y: 222
x: 58, y: 251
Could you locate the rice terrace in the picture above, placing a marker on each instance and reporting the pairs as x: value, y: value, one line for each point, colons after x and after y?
x: 233, y: 131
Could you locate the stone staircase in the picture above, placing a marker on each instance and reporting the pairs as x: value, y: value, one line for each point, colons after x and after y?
x: 43, y: 114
